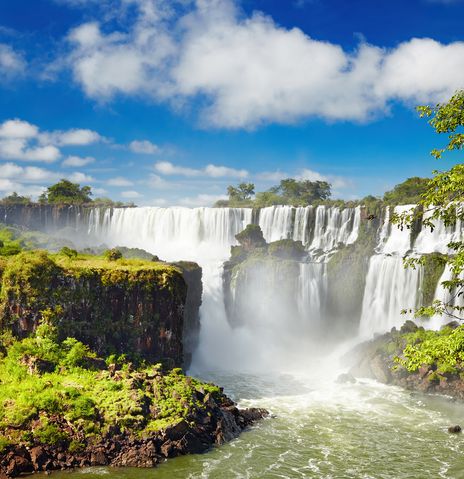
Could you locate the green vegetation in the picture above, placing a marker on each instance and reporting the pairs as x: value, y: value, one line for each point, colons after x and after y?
x: 15, y: 199
x: 288, y: 192
x: 442, y: 350
x: 60, y: 392
x: 442, y: 199
x: 63, y: 193
x: 408, y: 192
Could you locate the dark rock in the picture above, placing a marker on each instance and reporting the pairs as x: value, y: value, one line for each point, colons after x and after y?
x: 455, y: 429
x: 39, y: 457
x: 409, y: 327
x: 452, y: 325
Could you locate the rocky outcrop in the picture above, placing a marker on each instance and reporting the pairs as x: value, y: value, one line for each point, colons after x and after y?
x: 383, y: 358
x: 214, y: 420
x: 261, y: 277
x: 127, y: 306
x: 219, y: 424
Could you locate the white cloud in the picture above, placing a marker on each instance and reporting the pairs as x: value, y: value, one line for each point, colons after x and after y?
x: 155, y: 181
x: 201, y: 200
x: 335, y: 181
x: 168, y: 168
x: 26, y: 174
x: 131, y: 194
x: 79, y: 177
x: 248, y: 70
x: 272, y: 175
x: 119, y: 181
x: 143, y: 147
x: 77, y: 161
x: 19, y: 149
x: 99, y: 191
x: 18, y: 129
x: 213, y: 171
x: 21, y: 140
x: 12, y: 63
x: 74, y: 137
x: 223, y: 171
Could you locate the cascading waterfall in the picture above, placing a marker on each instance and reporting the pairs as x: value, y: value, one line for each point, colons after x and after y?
x: 390, y: 288
x: 205, y: 235
x: 312, y: 292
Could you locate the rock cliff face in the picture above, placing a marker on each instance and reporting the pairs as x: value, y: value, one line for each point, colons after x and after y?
x: 126, y: 306
x: 43, y: 217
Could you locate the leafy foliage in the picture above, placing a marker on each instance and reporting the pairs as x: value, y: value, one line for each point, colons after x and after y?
x: 15, y: 199
x: 443, y: 199
x: 441, y: 349
x: 288, y: 192
x: 66, y: 192
x: 408, y: 192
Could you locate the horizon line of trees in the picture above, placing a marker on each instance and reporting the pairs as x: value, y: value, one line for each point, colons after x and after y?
x: 294, y: 192
x: 64, y: 192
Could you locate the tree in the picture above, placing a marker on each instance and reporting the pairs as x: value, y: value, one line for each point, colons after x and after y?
x: 242, y: 192
x: 408, y: 192
x: 15, y: 199
x: 443, y: 200
x: 66, y: 192
x: 302, y: 192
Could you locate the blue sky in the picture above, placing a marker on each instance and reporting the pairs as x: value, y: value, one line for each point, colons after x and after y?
x: 168, y: 102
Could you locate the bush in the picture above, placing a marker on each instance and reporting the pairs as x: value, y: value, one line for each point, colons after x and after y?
x: 112, y: 254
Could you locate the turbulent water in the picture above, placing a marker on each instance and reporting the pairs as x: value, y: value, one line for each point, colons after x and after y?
x: 321, y: 429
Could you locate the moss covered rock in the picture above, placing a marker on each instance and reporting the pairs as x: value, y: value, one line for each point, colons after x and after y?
x: 118, y: 306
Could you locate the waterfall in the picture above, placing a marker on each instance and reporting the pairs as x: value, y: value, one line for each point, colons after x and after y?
x: 390, y: 288
x: 429, y: 241
x: 327, y: 226
x: 205, y: 235
x: 398, y: 240
x: 312, y: 292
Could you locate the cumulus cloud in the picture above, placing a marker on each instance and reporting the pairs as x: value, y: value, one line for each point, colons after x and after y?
x: 73, y: 137
x: 247, y: 70
x: 131, y: 194
x: 143, y: 147
x: 79, y: 177
x: 77, y: 161
x: 12, y: 63
x: 213, y: 171
x: 21, y: 140
x: 201, y: 200
x: 119, y: 181
x: 26, y: 174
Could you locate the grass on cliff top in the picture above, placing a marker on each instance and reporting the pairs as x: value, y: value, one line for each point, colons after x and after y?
x: 55, y: 392
x: 83, y: 261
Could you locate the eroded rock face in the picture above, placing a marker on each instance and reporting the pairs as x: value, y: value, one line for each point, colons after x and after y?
x: 137, y: 309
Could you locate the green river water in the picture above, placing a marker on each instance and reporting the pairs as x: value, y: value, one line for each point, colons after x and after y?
x: 321, y: 429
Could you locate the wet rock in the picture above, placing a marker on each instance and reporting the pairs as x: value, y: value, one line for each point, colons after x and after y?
x: 452, y: 325
x: 455, y: 429
x: 39, y: 457
x: 409, y: 327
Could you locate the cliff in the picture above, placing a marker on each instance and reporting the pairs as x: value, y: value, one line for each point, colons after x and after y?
x: 136, y: 307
